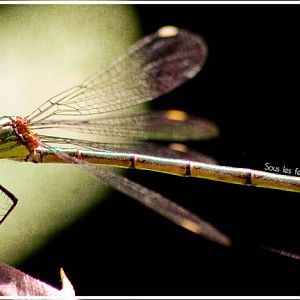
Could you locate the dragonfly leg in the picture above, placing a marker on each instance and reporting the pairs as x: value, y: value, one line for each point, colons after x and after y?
x: 33, y: 155
x: 8, y: 201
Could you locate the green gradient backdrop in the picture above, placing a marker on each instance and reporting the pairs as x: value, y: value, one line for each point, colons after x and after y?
x: 44, y: 50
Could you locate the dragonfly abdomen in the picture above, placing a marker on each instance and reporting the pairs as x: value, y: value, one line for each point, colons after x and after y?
x: 180, y: 167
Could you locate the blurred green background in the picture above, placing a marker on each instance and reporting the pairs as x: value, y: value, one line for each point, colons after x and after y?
x: 45, y: 50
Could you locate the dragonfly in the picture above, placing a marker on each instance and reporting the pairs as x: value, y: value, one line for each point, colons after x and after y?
x: 106, y: 107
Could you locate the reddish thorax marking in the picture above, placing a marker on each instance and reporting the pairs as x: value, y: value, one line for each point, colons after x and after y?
x: 28, y: 138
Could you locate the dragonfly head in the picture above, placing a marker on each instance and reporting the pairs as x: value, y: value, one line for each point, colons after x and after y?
x: 11, y: 146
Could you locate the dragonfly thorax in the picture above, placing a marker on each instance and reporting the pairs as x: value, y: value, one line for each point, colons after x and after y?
x: 23, y: 132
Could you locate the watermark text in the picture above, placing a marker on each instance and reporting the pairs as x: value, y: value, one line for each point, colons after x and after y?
x: 286, y: 170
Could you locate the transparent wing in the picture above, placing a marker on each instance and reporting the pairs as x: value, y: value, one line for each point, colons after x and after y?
x: 170, y: 125
x: 152, y: 67
x: 7, y: 203
x: 126, y: 130
x: 161, y: 205
x: 152, y: 200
